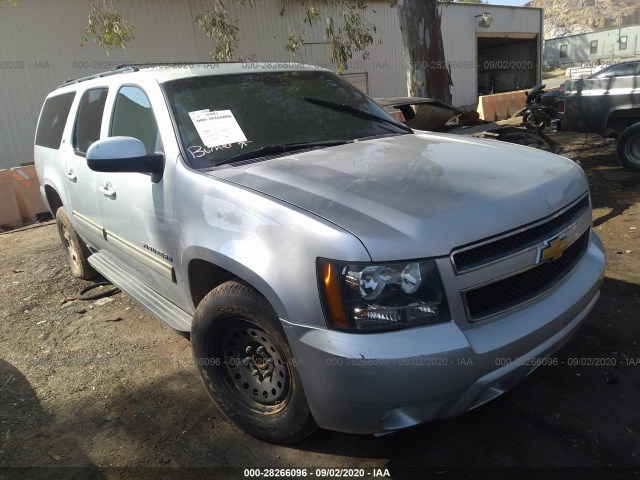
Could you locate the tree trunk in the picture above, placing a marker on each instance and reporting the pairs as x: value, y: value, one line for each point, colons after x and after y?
x: 427, y: 72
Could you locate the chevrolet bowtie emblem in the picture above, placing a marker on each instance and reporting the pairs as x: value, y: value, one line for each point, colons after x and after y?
x: 552, y: 250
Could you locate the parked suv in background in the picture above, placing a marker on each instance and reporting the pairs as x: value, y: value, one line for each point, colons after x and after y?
x: 333, y: 267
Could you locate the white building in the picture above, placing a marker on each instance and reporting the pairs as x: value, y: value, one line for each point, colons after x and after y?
x: 40, y: 49
x: 595, y: 48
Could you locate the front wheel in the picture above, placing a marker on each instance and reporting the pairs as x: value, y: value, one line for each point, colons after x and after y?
x: 247, y: 366
x: 628, y: 148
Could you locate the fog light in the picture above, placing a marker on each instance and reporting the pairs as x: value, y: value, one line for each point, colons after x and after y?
x: 418, y: 311
x: 381, y: 313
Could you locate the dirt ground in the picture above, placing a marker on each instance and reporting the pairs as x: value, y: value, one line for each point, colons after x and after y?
x: 104, y: 386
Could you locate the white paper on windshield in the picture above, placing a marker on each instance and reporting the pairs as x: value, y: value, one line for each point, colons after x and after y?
x: 217, y: 127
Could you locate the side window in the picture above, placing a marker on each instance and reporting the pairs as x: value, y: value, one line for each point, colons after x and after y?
x: 593, y: 47
x: 133, y: 117
x: 626, y: 70
x: 621, y: 71
x: 89, y: 119
x: 53, y: 119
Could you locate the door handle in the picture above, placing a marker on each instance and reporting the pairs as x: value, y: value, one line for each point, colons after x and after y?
x: 108, y: 191
x: 71, y: 175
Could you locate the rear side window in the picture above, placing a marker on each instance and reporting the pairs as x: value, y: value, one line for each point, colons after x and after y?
x: 89, y: 119
x: 53, y: 119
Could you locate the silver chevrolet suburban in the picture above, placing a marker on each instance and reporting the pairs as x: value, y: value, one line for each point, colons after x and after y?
x: 333, y: 267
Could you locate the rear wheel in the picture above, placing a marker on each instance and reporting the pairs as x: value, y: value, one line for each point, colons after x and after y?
x: 76, y: 250
x: 246, y: 364
x: 628, y: 148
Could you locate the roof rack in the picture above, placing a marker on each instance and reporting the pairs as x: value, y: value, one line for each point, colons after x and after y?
x: 167, y: 64
x: 119, y: 69
x: 134, y: 67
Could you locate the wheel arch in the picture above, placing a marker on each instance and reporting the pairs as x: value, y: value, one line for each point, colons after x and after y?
x: 54, y: 201
x: 622, y: 118
x: 205, y: 270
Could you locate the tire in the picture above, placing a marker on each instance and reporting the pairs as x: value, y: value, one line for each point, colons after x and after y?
x: 75, y: 248
x: 246, y: 364
x: 628, y: 148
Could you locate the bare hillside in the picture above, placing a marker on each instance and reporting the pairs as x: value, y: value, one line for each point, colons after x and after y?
x: 568, y: 17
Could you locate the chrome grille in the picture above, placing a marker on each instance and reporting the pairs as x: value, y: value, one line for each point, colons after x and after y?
x: 491, y: 251
x: 506, y: 293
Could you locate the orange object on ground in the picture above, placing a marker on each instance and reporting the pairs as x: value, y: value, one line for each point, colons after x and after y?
x: 9, y: 211
x: 500, y: 106
x: 27, y: 191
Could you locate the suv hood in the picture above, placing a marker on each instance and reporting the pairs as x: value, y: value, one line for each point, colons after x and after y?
x: 414, y: 196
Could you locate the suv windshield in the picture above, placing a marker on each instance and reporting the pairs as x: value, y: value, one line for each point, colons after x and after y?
x: 221, y: 117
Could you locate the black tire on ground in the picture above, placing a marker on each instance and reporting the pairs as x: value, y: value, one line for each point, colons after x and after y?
x: 75, y: 248
x: 246, y: 364
x: 628, y: 148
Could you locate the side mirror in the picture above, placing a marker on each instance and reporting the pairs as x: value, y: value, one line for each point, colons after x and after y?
x: 124, y: 154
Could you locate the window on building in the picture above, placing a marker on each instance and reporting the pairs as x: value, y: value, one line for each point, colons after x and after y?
x: 622, y: 43
x: 563, y: 51
x: 89, y: 119
x: 594, y: 47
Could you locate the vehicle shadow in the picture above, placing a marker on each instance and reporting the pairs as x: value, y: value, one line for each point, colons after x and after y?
x: 27, y: 447
x: 612, y: 187
x: 617, y: 210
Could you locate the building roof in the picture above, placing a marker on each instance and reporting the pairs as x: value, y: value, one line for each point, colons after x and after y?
x: 615, y: 29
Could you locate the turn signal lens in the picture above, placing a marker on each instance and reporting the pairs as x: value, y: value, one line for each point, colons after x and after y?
x: 333, y: 297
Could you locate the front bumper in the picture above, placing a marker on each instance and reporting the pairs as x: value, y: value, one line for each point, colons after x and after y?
x: 381, y: 382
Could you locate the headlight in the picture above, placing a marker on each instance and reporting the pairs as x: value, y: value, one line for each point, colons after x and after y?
x: 382, y: 296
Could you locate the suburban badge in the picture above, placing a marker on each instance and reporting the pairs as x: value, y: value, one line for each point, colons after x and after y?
x: 157, y: 252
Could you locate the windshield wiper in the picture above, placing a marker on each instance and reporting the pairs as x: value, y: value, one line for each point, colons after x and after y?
x: 281, y: 148
x: 342, y: 107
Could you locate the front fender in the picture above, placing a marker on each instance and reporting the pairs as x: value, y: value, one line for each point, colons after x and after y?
x: 267, y: 243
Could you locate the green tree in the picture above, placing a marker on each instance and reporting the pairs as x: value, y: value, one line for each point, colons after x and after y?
x: 346, y: 28
x: 107, y: 27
